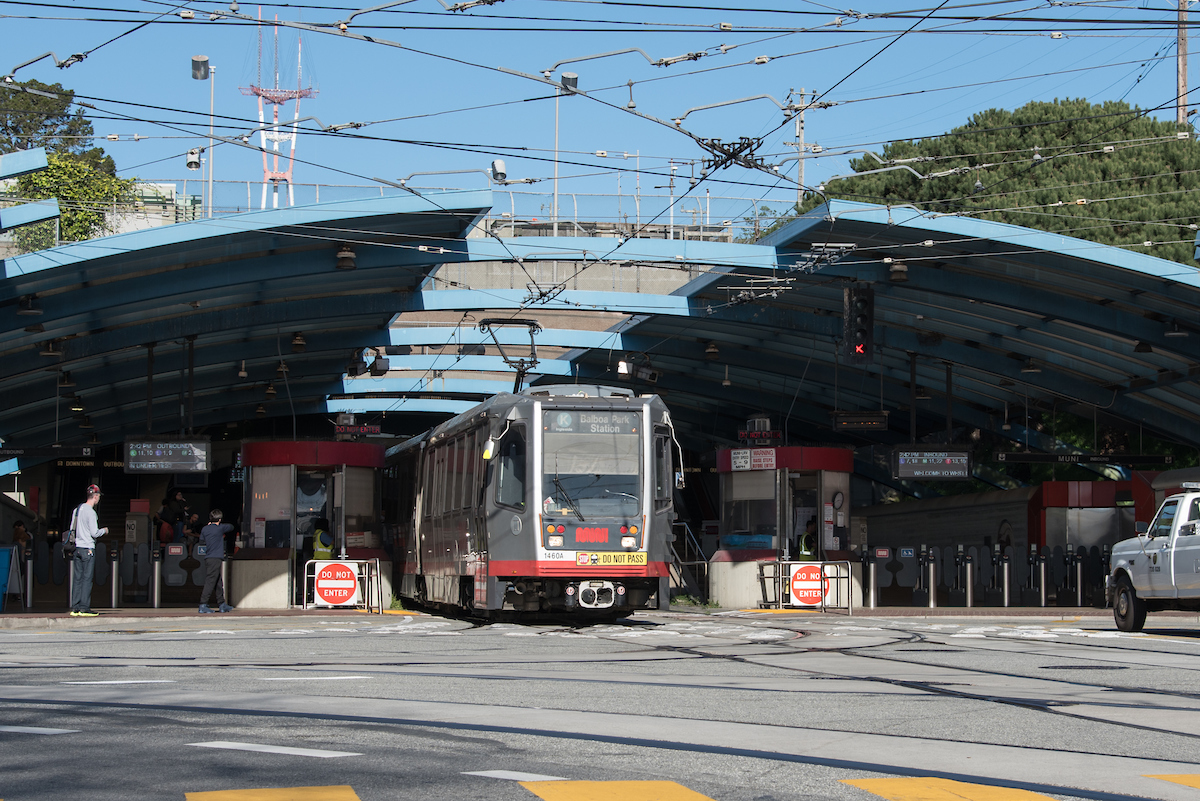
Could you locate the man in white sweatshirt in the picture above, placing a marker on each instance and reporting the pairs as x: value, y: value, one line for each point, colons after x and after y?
x: 87, y: 530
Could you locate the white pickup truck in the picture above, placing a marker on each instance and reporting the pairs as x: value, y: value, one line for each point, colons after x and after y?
x: 1160, y: 567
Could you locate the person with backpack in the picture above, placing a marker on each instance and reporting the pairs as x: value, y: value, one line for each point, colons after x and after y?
x: 87, y: 530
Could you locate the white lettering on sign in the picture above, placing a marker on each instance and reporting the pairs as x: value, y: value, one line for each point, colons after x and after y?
x: 335, y: 584
x: 762, y: 459
x: 809, y: 585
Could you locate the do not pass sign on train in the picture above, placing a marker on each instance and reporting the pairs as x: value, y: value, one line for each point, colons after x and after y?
x: 336, y: 584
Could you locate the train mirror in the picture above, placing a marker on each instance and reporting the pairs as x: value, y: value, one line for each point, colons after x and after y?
x: 489, y: 449
x: 679, y: 482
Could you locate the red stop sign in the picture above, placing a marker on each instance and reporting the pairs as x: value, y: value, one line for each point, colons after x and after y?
x: 337, y: 584
x: 809, y: 585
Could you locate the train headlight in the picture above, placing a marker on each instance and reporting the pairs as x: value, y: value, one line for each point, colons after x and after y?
x: 628, y: 542
x: 554, y: 542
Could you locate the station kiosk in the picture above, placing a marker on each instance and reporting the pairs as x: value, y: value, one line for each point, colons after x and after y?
x: 779, y: 504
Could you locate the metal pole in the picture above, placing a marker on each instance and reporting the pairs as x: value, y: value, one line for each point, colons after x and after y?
x: 912, y: 399
x: 150, y: 387
x: 1181, y: 47
x: 156, y: 590
x: 970, y: 587
x: 212, y: 82
x: 871, y: 599
x: 191, y: 383
x: 29, y: 578
x: 949, y: 404
x: 554, y: 210
x: 1078, y: 581
x: 115, y: 579
x: 225, y: 581
x: 932, y: 584
x: 1041, y: 566
x: 1004, y: 564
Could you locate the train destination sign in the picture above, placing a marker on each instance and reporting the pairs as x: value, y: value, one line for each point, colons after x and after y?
x: 927, y: 465
x: 48, y: 452
x: 585, y: 422
x: 167, y: 456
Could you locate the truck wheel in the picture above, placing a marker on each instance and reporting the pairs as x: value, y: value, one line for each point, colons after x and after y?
x: 1129, y: 611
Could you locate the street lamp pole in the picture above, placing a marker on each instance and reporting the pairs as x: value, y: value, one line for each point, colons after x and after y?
x: 570, y: 81
x: 203, y: 71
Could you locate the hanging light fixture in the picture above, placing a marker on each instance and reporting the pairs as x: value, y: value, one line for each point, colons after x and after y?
x: 36, y: 328
x: 261, y: 411
x: 923, y: 394
x: 298, y: 342
x: 1030, y: 367
x: 1175, y: 330
x: 1142, y: 347
x: 65, y: 380
x: 281, y: 369
x: 29, y: 306
x: 270, y: 393
x: 76, y: 403
x: 345, y: 258
x: 86, y: 422
x: 727, y: 382
x: 242, y: 371
x: 94, y: 439
x: 712, y: 352
x: 51, y: 348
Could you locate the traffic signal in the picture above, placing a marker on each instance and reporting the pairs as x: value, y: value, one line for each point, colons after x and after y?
x: 858, y: 324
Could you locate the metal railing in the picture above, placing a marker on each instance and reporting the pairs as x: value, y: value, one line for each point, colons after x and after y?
x: 794, y: 585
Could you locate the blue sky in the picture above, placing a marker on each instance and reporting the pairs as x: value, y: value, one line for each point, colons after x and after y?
x: 444, y: 85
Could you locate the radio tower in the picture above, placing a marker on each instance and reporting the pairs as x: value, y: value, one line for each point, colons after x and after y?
x: 276, y: 134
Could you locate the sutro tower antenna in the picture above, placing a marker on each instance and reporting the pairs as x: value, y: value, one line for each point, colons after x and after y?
x: 272, y: 136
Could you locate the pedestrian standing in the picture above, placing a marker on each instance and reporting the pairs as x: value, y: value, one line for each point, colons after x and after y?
x: 213, y: 537
x: 177, y: 511
x: 87, y: 529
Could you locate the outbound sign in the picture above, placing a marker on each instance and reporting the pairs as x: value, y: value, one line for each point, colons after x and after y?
x: 146, y: 455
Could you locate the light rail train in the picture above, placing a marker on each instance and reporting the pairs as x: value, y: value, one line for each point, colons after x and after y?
x: 556, y: 499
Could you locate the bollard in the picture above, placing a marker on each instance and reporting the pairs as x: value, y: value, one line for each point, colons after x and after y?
x: 871, y: 585
x: 1041, y: 575
x: 115, y: 579
x: 970, y: 588
x: 156, y: 589
x: 932, y: 584
x: 1079, y: 582
x: 29, y: 578
x: 1004, y: 564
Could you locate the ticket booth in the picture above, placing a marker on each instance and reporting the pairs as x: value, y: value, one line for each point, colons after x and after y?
x: 289, y: 487
x: 779, y: 504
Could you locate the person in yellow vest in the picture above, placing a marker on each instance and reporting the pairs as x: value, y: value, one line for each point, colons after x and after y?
x: 322, y: 541
x: 806, y: 544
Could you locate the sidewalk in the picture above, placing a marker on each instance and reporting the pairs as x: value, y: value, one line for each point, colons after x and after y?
x: 39, y: 617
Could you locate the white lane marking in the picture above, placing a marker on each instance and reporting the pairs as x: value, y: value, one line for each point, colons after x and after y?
x: 513, y: 776
x: 313, y: 678
x: 36, y: 730
x: 275, y: 749
x: 124, y: 681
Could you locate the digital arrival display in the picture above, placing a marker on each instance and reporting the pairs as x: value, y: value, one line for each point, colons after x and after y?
x: 167, y: 456
x: 931, y: 465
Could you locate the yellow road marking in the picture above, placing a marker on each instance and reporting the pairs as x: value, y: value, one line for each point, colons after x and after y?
x: 339, y: 792
x: 782, y: 611
x: 1186, y: 779
x: 613, y: 791
x: 390, y: 612
x: 927, y: 788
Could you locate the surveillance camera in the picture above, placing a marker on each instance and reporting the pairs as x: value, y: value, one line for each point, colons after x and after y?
x: 498, y: 170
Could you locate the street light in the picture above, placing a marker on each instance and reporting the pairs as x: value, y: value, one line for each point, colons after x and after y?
x: 569, y: 82
x: 203, y: 71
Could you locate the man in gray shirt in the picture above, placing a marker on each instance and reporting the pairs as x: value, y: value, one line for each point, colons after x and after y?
x: 87, y: 530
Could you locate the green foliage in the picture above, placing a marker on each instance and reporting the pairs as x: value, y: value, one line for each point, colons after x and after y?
x: 1138, y: 191
x: 30, y: 120
x: 85, y: 195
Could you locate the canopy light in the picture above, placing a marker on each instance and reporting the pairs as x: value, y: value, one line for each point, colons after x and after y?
x: 29, y: 306
x: 270, y: 393
x: 345, y: 258
x: 1030, y: 367
x: 65, y: 380
x: 298, y: 342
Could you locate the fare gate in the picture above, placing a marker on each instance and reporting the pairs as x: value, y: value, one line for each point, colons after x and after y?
x: 807, y: 585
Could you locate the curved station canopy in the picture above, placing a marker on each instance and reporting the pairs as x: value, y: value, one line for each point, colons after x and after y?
x: 374, y: 307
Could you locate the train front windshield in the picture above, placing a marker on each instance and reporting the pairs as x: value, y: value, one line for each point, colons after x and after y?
x: 591, y: 463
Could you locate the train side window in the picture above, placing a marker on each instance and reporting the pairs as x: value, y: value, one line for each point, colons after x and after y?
x: 469, y: 455
x: 440, y: 481
x: 662, y: 470
x: 454, y: 487
x: 510, y: 476
x: 427, y: 492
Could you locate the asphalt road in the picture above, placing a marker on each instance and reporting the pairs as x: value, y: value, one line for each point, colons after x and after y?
x: 669, y: 706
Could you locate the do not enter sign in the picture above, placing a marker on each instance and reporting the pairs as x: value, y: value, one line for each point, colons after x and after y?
x: 809, y: 585
x: 336, y: 584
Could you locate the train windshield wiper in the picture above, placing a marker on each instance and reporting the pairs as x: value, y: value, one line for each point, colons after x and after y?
x: 567, y: 497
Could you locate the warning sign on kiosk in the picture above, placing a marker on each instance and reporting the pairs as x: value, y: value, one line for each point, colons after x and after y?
x: 809, y: 585
x: 336, y: 584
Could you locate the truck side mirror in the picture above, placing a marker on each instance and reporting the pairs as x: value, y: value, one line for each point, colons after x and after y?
x: 1141, y: 527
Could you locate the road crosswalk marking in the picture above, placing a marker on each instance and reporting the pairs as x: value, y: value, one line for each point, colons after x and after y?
x: 928, y: 788
x: 1186, y: 779
x: 513, y: 776
x: 274, y: 749
x: 36, y: 730
x: 613, y: 791
x: 342, y: 792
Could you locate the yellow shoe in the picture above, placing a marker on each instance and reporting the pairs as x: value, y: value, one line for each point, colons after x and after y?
x: 86, y: 614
